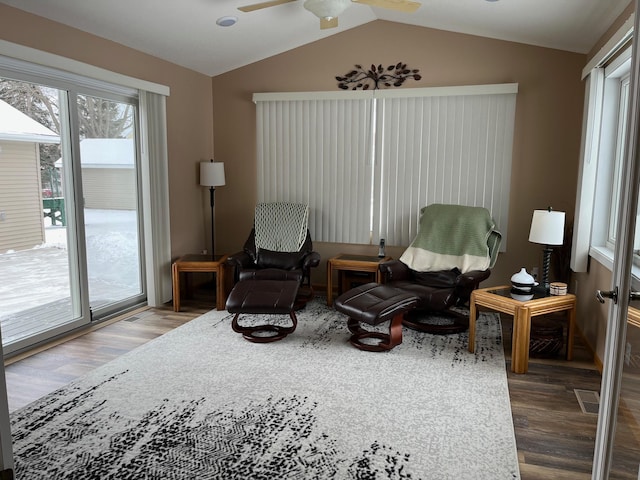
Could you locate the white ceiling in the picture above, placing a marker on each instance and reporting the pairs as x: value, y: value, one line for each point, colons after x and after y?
x: 185, y: 31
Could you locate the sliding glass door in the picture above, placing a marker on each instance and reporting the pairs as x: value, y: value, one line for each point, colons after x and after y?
x: 70, y: 243
x: 110, y: 200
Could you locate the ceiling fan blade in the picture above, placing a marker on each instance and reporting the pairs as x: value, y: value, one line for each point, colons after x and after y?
x: 328, y: 22
x: 258, y: 6
x: 399, y: 5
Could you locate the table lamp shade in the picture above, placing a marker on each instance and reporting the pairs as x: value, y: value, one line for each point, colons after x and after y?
x: 547, y: 227
x: 212, y: 174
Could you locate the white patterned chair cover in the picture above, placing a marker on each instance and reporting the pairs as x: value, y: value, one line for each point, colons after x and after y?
x: 281, y: 226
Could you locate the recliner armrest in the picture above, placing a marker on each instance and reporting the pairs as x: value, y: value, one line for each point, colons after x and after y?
x: 240, y: 260
x: 311, y: 260
x: 393, y: 270
x: 472, y: 279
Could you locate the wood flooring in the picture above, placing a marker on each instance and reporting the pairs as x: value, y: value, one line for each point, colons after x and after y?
x: 555, y: 438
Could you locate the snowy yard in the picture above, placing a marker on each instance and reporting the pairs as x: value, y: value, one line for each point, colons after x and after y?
x: 40, y: 275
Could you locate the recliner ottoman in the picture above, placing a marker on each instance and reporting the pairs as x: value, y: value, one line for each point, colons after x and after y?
x: 374, y: 304
x: 263, y: 297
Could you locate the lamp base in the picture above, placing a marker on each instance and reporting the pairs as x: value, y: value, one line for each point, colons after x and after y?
x: 541, y: 289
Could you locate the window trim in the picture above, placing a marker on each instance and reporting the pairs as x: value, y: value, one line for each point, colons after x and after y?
x: 589, y: 236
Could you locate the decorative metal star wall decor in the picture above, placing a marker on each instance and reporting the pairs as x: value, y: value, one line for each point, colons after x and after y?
x: 392, y: 76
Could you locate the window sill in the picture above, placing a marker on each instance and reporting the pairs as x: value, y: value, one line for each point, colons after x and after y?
x: 604, y: 256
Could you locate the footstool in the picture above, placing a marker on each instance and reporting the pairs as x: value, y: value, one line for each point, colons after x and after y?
x: 263, y: 297
x: 374, y: 304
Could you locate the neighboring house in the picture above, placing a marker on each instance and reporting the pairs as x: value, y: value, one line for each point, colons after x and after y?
x: 108, y: 173
x: 21, y: 225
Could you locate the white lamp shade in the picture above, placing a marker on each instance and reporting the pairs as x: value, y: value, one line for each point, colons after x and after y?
x: 326, y: 8
x: 547, y: 227
x: 212, y: 174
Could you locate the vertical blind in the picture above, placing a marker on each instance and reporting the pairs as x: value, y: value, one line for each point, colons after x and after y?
x: 367, y: 162
x: 319, y: 152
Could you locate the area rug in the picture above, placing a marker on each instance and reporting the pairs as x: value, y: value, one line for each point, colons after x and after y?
x: 200, y: 402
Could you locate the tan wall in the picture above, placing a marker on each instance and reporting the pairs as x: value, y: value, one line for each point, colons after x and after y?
x: 189, y: 116
x: 21, y: 225
x: 547, y: 128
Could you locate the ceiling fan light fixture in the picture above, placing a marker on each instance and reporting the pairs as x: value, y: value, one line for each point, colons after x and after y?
x: 326, y: 9
x: 226, y: 21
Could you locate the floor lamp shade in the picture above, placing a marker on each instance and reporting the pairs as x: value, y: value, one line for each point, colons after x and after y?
x: 212, y: 174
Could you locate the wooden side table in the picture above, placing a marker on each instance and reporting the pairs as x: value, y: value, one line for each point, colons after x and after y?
x: 200, y: 263
x: 499, y: 299
x: 354, y: 263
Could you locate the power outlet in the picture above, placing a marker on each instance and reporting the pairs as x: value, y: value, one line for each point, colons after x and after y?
x: 627, y: 354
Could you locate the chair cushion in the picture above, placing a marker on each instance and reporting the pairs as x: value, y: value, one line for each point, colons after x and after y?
x: 263, y: 296
x: 442, y: 279
x: 284, y: 260
x: 270, y: 274
x: 429, y: 298
x: 373, y: 303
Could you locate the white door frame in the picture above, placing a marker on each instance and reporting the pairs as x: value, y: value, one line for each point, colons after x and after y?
x: 613, y: 361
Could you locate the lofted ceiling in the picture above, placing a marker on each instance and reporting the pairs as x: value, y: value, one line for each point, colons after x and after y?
x: 185, y: 32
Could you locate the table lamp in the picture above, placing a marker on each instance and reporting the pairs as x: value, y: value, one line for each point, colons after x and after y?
x: 212, y: 176
x: 547, y: 228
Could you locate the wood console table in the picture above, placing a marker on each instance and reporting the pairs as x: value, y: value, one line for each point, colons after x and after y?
x: 201, y: 263
x: 499, y: 299
x: 354, y: 263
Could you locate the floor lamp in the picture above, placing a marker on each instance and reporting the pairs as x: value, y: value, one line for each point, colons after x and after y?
x: 547, y: 228
x: 212, y: 176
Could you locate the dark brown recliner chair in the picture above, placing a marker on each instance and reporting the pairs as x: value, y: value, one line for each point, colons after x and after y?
x: 261, y: 264
x: 453, y: 252
x: 281, y: 226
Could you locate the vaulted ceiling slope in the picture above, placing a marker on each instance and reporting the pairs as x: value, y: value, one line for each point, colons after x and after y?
x: 185, y: 32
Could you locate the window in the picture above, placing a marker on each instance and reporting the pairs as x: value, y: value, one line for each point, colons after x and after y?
x: 621, y: 104
x: 602, y: 152
x: 366, y: 162
x: 606, y: 108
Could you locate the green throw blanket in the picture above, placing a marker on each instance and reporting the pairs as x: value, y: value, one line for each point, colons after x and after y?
x: 453, y: 236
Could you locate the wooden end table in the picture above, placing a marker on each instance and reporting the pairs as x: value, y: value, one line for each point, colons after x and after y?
x: 499, y: 299
x: 200, y: 263
x: 354, y: 263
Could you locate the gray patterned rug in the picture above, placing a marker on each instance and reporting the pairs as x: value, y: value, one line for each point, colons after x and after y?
x: 200, y: 402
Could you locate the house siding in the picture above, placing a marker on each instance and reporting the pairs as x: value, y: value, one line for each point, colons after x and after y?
x: 109, y: 188
x: 21, y: 225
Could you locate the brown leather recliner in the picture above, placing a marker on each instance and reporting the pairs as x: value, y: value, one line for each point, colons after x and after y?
x: 451, y: 239
x: 260, y: 264
x: 437, y: 292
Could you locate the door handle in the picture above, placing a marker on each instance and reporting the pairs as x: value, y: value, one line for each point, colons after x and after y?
x: 612, y: 294
x: 634, y: 296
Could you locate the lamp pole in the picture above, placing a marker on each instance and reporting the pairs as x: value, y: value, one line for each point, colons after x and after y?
x: 213, y: 240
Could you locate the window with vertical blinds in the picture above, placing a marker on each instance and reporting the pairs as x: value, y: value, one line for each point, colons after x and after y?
x: 367, y: 162
x: 319, y: 152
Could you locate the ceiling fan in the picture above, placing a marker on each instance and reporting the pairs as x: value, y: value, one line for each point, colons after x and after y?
x: 328, y: 10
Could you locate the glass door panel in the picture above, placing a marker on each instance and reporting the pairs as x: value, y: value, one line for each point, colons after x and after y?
x: 110, y: 196
x: 626, y: 446
x: 39, y: 293
x: 617, y: 449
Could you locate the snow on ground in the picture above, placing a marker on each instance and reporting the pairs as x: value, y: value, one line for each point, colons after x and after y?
x: 40, y: 275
